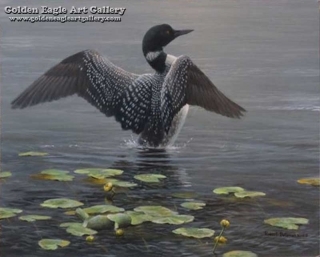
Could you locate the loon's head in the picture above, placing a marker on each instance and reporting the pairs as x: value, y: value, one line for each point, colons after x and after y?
x: 159, y: 36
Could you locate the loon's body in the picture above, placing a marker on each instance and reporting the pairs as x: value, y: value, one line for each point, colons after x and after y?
x: 154, y: 106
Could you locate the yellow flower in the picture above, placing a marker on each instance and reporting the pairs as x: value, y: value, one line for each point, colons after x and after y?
x: 222, y: 239
x: 108, y: 187
x: 119, y: 232
x: 225, y: 223
x: 90, y: 238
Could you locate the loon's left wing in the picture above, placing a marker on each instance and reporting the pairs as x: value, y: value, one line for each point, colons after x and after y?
x: 87, y: 74
x: 185, y: 84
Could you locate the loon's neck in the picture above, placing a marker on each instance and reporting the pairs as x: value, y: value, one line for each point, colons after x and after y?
x: 156, y: 59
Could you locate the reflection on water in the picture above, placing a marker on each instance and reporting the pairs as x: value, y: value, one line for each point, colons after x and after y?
x: 262, y: 54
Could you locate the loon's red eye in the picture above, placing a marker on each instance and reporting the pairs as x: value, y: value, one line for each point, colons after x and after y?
x: 168, y: 32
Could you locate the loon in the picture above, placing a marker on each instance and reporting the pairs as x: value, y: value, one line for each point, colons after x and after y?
x: 154, y: 106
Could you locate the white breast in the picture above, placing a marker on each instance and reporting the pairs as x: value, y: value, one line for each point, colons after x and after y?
x: 170, y: 59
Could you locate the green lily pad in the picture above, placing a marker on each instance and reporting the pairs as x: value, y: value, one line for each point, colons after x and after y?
x: 308, y: 181
x: 286, y: 222
x: 238, y: 253
x: 80, y: 230
x: 121, y: 220
x: 174, y: 219
x: 227, y: 190
x: 99, y: 173
x: 68, y: 224
x: 193, y: 205
x: 5, y: 174
x: 8, y: 212
x: 33, y: 154
x: 155, y: 211
x: 121, y: 183
x: 185, y: 195
x: 138, y: 217
x: 61, y: 203
x: 149, y: 178
x: 52, y: 244
x: 98, y: 222
x: 102, y: 209
x: 32, y: 218
x: 54, y: 174
x: 194, y: 232
x: 82, y: 214
x: 244, y: 194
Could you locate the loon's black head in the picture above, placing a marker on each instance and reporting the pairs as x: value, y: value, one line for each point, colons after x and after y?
x: 159, y: 36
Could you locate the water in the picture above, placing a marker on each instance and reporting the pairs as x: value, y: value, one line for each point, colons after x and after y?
x: 262, y: 54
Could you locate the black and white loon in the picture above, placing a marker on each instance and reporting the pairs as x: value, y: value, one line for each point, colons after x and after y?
x: 152, y: 105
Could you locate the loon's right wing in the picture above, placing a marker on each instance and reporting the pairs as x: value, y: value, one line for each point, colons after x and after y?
x: 185, y: 84
x: 86, y: 74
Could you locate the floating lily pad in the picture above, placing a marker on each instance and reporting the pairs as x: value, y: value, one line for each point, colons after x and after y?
x: 185, y: 195
x: 70, y: 213
x: 138, y: 217
x: 193, y: 205
x: 238, y: 253
x: 61, y: 203
x: 54, y: 174
x: 121, y: 183
x: 98, y: 222
x: 155, y: 211
x: 286, y: 222
x: 32, y: 218
x: 33, y: 154
x: 82, y: 214
x: 68, y: 224
x: 121, y: 220
x: 8, y: 212
x: 227, y: 190
x: 99, y: 173
x: 5, y: 174
x: 308, y: 181
x: 53, y: 244
x: 80, y: 230
x: 244, y: 194
x: 102, y: 209
x: 194, y: 232
x: 174, y: 219
x: 149, y: 178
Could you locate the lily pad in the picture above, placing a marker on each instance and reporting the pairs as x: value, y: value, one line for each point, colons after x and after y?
x: 61, y: 203
x: 287, y: 222
x: 185, y: 195
x: 155, y: 211
x: 8, y: 212
x: 308, y: 181
x: 194, y: 232
x: 96, y: 209
x: 149, y: 178
x: 227, y: 190
x: 174, y: 219
x: 121, y: 183
x: 82, y: 214
x: 238, y: 253
x: 138, y: 217
x: 54, y: 174
x: 5, y: 174
x: 121, y: 220
x: 53, y: 244
x: 33, y: 154
x: 244, y: 194
x: 32, y: 218
x: 193, y: 205
x: 80, y: 230
x: 99, y: 173
x: 98, y: 222
x: 68, y: 224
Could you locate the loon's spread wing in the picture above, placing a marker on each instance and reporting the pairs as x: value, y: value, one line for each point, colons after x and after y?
x: 96, y: 79
x: 184, y: 84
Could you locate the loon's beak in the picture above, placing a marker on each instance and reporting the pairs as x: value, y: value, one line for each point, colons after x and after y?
x: 178, y: 33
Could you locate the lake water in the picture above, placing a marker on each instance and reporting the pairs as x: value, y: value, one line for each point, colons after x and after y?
x: 262, y: 54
